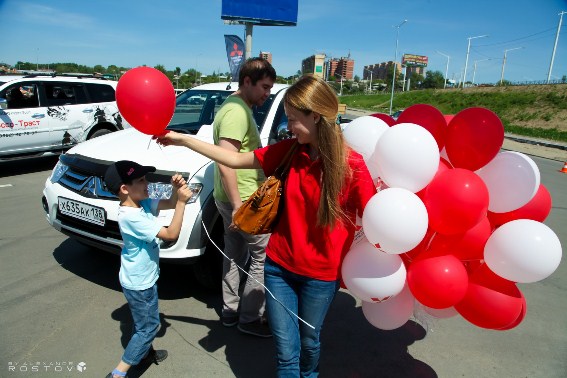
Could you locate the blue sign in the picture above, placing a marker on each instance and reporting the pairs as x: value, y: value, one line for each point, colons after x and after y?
x: 261, y: 12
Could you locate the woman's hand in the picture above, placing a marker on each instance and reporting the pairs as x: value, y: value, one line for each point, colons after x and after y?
x: 170, y: 138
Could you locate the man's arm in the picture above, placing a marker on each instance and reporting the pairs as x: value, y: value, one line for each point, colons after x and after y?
x: 228, y: 175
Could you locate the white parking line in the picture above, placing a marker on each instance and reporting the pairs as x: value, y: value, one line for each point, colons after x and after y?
x: 5, y: 185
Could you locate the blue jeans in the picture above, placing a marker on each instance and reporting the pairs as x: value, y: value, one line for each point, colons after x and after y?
x: 145, y: 312
x: 297, y: 345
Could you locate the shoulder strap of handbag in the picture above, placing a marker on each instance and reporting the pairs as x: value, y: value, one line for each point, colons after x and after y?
x: 286, y: 162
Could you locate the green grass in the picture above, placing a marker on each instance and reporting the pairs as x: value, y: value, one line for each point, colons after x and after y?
x: 511, y: 106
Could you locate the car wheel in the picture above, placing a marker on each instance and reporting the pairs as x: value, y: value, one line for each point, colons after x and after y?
x: 208, y: 269
x: 99, y: 132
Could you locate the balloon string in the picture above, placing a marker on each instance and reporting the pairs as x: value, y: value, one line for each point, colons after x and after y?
x: 258, y: 282
x: 150, y: 142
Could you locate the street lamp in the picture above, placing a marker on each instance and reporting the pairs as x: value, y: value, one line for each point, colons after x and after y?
x: 341, y: 91
x: 504, y: 62
x: 467, y: 60
x: 446, y: 67
x: 196, y: 67
x: 474, y: 71
x: 555, y: 46
x: 395, y: 59
x: 370, y: 85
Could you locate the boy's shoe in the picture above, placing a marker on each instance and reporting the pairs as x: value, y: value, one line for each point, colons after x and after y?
x: 154, y: 356
x: 229, y: 320
x: 258, y: 328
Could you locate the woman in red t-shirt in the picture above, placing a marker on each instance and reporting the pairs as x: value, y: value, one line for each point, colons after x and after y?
x: 327, y: 185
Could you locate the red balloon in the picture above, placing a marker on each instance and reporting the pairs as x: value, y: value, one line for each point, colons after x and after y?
x: 444, y: 165
x: 384, y: 117
x: 491, y: 301
x: 466, y: 246
x: 449, y: 117
x: 456, y: 201
x: 438, y: 282
x: 428, y: 117
x: 474, y: 137
x: 520, y: 318
x: 537, y: 209
x: 146, y: 99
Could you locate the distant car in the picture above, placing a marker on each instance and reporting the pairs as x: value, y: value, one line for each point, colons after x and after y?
x: 41, y: 114
x: 197, y: 99
x: 396, y: 114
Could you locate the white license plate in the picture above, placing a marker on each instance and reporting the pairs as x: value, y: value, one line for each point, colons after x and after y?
x: 83, y: 211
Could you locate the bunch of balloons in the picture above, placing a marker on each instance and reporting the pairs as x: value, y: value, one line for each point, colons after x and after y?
x: 146, y: 99
x: 455, y: 225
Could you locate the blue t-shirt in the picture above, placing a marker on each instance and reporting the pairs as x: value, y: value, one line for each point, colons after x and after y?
x: 139, y: 268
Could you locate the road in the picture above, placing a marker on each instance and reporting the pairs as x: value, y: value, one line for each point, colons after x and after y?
x: 61, y: 304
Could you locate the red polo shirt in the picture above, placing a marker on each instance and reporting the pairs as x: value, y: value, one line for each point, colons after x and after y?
x: 297, y: 244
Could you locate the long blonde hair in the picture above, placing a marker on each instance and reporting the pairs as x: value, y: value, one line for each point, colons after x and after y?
x: 311, y: 94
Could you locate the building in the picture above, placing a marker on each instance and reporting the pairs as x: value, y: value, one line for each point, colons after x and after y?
x: 314, y: 65
x: 380, y: 70
x: 266, y: 55
x: 343, y: 67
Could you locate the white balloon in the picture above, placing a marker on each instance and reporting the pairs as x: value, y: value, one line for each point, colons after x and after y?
x: 391, y: 314
x: 361, y: 134
x: 396, y: 219
x: 512, y: 179
x: 372, y: 275
x: 523, y: 250
x: 407, y: 156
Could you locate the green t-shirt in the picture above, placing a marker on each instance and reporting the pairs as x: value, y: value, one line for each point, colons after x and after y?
x: 235, y: 120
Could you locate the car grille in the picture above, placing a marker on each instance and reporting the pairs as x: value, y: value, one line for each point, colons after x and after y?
x: 84, y: 177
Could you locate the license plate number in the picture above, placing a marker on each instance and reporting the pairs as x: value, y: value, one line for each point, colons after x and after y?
x: 83, y: 211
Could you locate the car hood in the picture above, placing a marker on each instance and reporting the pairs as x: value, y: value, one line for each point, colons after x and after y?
x: 131, y: 144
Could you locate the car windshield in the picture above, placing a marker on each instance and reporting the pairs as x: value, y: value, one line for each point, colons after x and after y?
x: 195, y: 108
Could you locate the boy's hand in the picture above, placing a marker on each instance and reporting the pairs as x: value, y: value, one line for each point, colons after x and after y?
x: 183, y: 194
x: 177, y: 181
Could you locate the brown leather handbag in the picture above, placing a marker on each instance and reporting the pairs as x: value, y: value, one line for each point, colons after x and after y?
x: 259, y: 213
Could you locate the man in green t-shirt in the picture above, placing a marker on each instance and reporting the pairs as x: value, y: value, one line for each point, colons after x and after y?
x: 235, y: 129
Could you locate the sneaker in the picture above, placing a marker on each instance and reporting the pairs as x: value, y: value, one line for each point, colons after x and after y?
x: 257, y: 328
x: 229, y: 320
x: 154, y: 356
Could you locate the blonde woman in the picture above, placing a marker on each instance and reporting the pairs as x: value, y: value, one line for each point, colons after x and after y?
x: 327, y: 185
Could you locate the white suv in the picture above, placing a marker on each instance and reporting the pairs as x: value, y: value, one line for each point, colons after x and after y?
x: 78, y: 204
x: 41, y: 114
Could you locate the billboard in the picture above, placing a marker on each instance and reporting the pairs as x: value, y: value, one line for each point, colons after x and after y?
x: 261, y: 12
x: 414, y: 60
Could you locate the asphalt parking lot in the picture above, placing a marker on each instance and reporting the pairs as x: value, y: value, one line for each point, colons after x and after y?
x: 61, y: 305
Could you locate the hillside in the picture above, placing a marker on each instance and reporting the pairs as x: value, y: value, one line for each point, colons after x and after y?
x: 535, y: 110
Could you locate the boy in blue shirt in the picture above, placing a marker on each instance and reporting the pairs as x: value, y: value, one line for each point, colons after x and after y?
x: 139, y: 268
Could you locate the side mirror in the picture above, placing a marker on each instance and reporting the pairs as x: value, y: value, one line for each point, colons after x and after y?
x: 282, y: 132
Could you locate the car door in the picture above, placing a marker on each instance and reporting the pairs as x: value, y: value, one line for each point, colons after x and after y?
x: 67, y: 111
x: 24, y: 124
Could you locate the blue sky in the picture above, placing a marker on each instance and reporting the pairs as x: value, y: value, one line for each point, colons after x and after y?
x: 189, y: 34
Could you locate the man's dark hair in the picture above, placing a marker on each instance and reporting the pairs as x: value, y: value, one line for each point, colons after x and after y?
x: 256, y: 69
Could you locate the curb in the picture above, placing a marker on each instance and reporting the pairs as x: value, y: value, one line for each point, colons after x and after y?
x: 537, y: 142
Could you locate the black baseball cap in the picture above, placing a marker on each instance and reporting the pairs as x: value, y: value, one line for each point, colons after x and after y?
x: 123, y: 172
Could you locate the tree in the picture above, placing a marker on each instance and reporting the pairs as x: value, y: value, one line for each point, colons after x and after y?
x: 433, y: 79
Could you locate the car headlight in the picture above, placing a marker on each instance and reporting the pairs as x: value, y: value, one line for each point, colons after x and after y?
x: 58, y: 172
x: 162, y: 190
